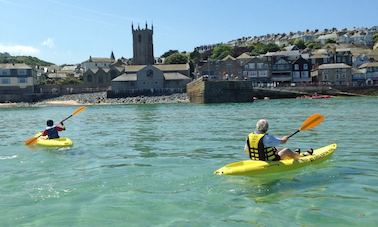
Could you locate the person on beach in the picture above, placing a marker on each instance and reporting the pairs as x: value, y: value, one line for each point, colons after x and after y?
x: 52, y: 130
x: 262, y: 146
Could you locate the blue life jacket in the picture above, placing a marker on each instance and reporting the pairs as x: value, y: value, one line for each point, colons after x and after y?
x: 52, y: 132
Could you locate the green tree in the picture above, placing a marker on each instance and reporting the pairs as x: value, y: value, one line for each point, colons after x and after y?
x: 70, y: 80
x: 270, y: 47
x: 313, y: 45
x: 300, y: 44
x: 375, y: 37
x: 176, y: 58
x: 221, y: 51
x: 261, y: 48
x: 168, y: 53
x: 330, y: 41
x: 195, y: 57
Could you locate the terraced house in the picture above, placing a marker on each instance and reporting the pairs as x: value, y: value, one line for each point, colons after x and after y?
x: 333, y: 74
x: 16, y: 79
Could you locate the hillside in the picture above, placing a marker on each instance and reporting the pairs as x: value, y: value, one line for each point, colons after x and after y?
x: 29, y: 60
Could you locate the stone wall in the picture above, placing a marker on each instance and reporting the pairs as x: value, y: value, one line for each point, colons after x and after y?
x: 68, y: 89
x: 143, y: 92
x: 223, y: 91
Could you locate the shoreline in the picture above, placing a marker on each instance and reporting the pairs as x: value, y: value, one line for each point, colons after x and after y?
x: 99, y: 98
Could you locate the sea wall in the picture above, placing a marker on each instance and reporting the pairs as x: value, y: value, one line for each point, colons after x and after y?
x: 223, y: 91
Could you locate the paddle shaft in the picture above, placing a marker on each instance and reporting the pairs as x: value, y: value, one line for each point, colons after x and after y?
x: 66, y: 118
x: 294, y: 133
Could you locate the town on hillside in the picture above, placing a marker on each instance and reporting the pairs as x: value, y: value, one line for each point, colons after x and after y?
x: 331, y: 57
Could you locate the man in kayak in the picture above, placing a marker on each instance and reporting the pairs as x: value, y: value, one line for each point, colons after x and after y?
x: 52, y: 130
x: 262, y: 146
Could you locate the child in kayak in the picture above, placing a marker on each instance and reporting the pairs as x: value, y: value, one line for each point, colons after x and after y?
x: 262, y: 146
x: 52, y: 130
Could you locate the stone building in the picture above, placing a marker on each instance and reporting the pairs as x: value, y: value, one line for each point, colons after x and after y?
x: 150, y: 80
x: 257, y: 69
x: 101, y: 76
x: 333, y: 74
x: 94, y: 63
x: 370, y: 72
x: 146, y: 78
x: 143, y: 48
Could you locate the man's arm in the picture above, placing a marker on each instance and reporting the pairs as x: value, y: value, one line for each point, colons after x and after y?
x: 284, y: 139
x: 60, y: 127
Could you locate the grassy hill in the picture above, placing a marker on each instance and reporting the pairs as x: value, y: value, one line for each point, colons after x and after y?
x: 29, y: 60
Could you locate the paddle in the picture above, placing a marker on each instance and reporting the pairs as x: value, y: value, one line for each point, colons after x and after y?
x: 33, y: 140
x: 311, y: 122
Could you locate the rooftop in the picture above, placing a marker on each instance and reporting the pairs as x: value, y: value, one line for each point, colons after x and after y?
x: 14, y: 66
x: 335, y: 66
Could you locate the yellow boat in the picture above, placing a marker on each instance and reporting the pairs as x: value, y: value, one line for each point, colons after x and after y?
x: 59, y: 142
x: 252, y: 167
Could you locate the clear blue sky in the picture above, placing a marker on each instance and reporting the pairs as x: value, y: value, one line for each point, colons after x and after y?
x: 70, y: 31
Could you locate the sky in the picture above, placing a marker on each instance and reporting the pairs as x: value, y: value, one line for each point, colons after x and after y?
x: 69, y: 31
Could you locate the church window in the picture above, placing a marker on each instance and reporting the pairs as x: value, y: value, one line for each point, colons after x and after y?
x: 139, y: 38
x: 150, y: 73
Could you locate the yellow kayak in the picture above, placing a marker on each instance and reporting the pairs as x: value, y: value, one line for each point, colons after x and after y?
x: 252, y: 167
x: 59, y: 142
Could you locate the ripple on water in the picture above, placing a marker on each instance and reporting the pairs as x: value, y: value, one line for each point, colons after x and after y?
x: 129, y: 159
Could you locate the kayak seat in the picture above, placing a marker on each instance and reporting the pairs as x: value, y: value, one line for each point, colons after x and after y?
x: 309, y: 152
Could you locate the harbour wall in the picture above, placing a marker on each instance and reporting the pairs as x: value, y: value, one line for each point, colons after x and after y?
x: 223, y: 91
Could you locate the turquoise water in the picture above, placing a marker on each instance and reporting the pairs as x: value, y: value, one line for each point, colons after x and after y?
x: 151, y: 165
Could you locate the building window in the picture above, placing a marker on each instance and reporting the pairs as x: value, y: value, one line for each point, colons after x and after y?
x: 21, y: 72
x: 139, y: 38
x: 296, y: 75
x: 251, y: 65
x: 229, y: 68
x: 22, y: 80
x: 305, y: 74
x: 305, y: 66
x: 90, y: 78
x: 5, y: 81
x: 260, y: 65
x: 149, y: 73
x: 263, y: 73
x: 296, y: 67
x: 5, y: 72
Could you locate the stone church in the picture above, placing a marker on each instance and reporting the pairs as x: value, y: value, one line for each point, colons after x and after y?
x: 144, y: 77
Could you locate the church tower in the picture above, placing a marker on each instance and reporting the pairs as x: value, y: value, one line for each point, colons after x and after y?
x: 142, y: 45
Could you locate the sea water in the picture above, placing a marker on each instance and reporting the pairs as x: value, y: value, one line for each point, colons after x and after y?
x: 152, y: 165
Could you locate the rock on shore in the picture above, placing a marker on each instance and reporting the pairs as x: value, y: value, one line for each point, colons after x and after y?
x: 100, y: 98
